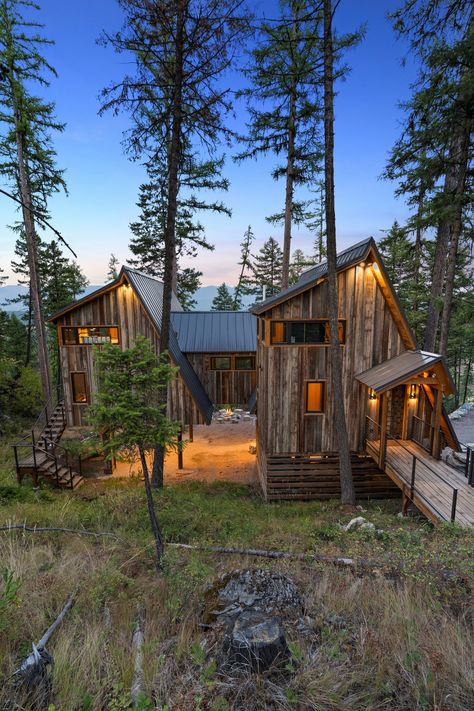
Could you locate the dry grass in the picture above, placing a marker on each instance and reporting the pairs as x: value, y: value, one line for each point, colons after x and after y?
x: 366, y: 643
x: 400, y: 640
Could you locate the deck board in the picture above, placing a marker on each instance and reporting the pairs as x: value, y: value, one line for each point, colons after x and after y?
x: 432, y: 495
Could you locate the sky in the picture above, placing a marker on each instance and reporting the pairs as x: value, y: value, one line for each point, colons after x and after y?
x: 103, y: 183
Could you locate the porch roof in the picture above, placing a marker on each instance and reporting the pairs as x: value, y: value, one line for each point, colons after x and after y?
x: 401, y: 368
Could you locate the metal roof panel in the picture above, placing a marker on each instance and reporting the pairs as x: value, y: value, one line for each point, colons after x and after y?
x: 215, y: 331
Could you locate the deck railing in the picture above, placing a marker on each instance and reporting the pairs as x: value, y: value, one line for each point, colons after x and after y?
x: 423, y: 433
x: 373, y: 434
x: 469, y: 467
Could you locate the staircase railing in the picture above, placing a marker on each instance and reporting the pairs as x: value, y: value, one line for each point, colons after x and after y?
x: 373, y: 433
x: 469, y: 466
x: 62, y: 460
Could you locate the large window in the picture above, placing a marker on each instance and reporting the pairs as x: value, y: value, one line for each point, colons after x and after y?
x: 310, y: 332
x: 237, y: 362
x: 79, y: 388
x: 89, y: 335
x: 315, y: 396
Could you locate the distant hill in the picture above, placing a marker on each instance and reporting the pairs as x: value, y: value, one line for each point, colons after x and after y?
x: 203, y: 296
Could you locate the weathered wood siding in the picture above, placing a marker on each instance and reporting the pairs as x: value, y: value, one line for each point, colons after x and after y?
x: 224, y: 387
x: 117, y: 307
x: 372, y: 336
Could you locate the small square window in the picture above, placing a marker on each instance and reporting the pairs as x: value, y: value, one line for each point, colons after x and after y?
x: 315, y: 396
x: 220, y: 363
x: 278, y: 332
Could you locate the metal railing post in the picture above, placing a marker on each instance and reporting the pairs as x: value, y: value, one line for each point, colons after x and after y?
x: 15, y: 450
x: 413, y: 474
x: 34, y: 457
x: 453, y: 507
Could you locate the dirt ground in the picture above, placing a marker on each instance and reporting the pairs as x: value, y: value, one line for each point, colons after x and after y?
x: 219, y: 452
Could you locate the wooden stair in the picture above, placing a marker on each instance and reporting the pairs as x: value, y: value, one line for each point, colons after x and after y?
x: 40, y: 455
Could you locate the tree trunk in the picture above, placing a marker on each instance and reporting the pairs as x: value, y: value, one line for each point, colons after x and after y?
x: 31, y: 242
x: 462, y: 160
x: 285, y: 270
x: 340, y: 426
x: 155, y: 526
x: 466, y: 382
x: 28, y: 331
x: 170, y: 227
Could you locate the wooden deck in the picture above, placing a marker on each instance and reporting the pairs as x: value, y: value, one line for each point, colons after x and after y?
x: 435, y: 481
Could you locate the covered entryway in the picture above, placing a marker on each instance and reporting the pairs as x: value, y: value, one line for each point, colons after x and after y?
x: 407, y: 428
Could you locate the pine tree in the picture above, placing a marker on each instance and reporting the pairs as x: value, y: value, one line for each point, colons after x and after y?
x: 339, y: 422
x: 112, y: 267
x: 244, y: 284
x: 3, y: 278
x: 267, y: 270
x: 223, y: 300
x: 176, y: 100
x: 299, y: 262
x: 26, y: 152
x: 431, y: 160
x: 284, y: 105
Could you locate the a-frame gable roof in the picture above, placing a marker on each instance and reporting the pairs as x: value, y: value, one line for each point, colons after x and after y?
x: 150, y: 294
x: 365, y: 251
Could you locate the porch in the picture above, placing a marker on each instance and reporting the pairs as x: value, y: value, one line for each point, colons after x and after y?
x: 439, y: 491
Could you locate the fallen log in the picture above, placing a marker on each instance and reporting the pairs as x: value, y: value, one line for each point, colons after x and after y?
x: 136, y: 689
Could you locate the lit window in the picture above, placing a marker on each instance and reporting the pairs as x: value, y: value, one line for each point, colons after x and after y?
x: 220, y: 363
x: 315, y: 396
x: 309, y: 332
x: 79, y: 388
x: 90, y: 335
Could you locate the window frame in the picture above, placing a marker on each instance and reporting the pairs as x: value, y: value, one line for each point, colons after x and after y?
x: 80, y: 345
x: 307, y: 383
x: 223, y: 357
x: 249, y: 357
x: 86, y: 388
x: 287, y: 326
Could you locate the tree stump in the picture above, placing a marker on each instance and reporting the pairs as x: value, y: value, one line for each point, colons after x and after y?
x: 254, y: 643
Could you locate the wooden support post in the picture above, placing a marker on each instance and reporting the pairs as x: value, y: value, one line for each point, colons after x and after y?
x: 383, y: 431
x: 180, y: 448
x: 191, y: 432
x: 437, y: 412
x: 405, y: 503
x: 406, y: 412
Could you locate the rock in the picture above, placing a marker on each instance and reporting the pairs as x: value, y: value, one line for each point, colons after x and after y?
x: 262, y: 590
x: 253, y: 448
x: 255, y: 643
x: 247, y: 418
x: 358, y: 522
x: 368, y: 526
x: 235, y: 421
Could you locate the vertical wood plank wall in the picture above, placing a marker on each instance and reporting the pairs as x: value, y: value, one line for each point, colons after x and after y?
x: 117, y: 307
x: 224, y: 387
x: 372, y: 336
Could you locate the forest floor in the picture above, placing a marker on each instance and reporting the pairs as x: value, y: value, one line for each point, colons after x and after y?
x: 394, y: 634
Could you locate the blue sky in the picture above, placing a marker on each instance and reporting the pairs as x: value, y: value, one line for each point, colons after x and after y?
x: 103, y: 183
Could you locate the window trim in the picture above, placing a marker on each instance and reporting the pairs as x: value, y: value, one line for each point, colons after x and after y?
x: 86, y: 388
x: 89, y: 325
x: 243, y: 370
x: 324, y: 388
x: 213, y: 360
x: 342, y: 321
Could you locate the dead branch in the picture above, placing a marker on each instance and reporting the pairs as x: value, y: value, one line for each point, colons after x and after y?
x: 262, y: 553
x: 137, y: 649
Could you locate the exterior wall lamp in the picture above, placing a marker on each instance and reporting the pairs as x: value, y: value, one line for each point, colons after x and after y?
x: 372, y: 394
x: 413, y: 393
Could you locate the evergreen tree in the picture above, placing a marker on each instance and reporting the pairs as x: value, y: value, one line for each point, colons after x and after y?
x: 244, y: 284
x: 176, y: 100
x: 339, y: 415
x: 316, y: 223
x: 129, y: 412
x: 3, y: 278
x: 223, y: 300
x: 431, y: 159
x: 285, y: 107
x: 267, y: 270
x: 112, y: 268
x: 28, y: 159
x: 299, y: 262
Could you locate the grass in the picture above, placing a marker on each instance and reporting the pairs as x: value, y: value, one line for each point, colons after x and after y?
x: 399, y: 637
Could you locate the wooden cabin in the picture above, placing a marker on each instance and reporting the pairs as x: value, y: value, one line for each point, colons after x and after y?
x: 131, y: 306
x: 389, y: 386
